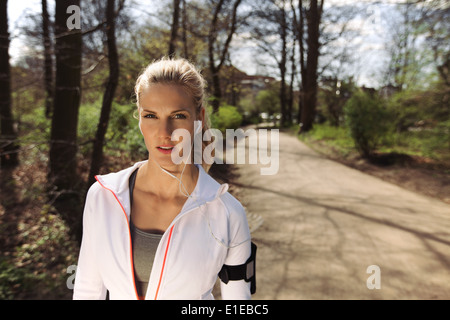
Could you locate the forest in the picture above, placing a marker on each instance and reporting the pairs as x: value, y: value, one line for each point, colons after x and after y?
x: 67, y: 109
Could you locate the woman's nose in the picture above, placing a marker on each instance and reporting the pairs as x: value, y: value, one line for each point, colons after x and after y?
x: 165, y: 129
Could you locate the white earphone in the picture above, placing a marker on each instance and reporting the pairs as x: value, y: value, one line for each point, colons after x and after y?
x: 197, y: 129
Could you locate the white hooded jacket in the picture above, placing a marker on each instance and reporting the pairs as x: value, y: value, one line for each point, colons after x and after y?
x: 211, y: 230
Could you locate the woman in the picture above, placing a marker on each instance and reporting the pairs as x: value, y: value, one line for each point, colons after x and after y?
x: 161, y: 229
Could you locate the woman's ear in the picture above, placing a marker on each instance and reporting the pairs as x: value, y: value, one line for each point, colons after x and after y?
x: 140, y: 123
x: 198, y: 125
x: 201, y: 116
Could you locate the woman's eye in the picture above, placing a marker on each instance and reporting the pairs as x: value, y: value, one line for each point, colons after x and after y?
x: 180, y: 116
x: 149, y: 116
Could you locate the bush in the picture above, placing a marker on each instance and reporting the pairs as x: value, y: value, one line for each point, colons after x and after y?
x: 123, y: 133
x: 368, y: 121
x: 227, y: 117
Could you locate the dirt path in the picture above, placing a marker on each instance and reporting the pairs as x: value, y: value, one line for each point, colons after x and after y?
x: 324, y: 224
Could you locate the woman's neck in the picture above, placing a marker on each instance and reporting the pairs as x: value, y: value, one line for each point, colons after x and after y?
x: 151, y: 178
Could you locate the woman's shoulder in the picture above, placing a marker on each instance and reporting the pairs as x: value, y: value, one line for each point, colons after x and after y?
x: 114, y: 181
x: 231, y: 201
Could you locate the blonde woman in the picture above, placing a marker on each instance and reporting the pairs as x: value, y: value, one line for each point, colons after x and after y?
x: 162, y: 229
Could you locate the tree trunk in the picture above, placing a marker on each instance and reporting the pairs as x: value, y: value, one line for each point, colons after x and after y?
x: 174, y: 32
x: 291, y: 85
x: 97, y: 154
x: 8, y: 147
x: 48, y: 60
x: 310, y: 87
x: 300, y: 34
x: 63, y: 175
x: 184, y: 23
x: 212, y: 64
x: 217, y: 90
x: 282, y: 66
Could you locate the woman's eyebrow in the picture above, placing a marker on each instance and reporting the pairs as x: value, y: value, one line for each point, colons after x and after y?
x: 175, y: 111
x: 180, y: 110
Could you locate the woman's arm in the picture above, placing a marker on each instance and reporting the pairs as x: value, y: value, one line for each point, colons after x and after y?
x: 239, y: 249
x: 237, y: 289
x: 88, y: 281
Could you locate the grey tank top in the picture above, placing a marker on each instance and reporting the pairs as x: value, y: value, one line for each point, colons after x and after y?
x: 144, y: 249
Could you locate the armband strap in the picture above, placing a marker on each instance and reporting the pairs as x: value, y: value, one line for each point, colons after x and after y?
x: 246, y: 271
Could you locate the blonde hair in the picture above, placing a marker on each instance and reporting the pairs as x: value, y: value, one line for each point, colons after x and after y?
x: 176, y: 72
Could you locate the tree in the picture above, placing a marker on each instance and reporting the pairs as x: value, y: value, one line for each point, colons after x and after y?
x: 281, y: 19
x: 299, y: 27
x: 63, y: 137
x: 184, y: 36
x: 97, y: 154
x: 48, y: 59
x: 272, y: 31
x: 313, y: 18
x: 402, y: 49
x: 8, y: 136
x: 216, y: 64
x: 309, y: 58
x: 174, y: 30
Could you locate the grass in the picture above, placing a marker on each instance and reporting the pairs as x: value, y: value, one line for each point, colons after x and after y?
x: 431, y: 144
x: 337, y: 139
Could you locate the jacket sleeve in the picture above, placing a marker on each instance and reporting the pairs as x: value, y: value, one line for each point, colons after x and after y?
x: 88, y: 280
x: 238, y: 252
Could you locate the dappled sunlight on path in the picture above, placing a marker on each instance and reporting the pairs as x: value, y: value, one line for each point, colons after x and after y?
x: 324, y: 224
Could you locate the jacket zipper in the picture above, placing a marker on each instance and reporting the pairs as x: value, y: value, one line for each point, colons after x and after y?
x: 164, y: 262
x: 129, y: 237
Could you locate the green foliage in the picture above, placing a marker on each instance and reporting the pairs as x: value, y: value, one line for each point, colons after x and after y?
x: 336, y: 137
x: 407, y: 109
x: 268, y: 101
x: 248, y: 108
x: 35, y: 268
x: 368, y: 121
x: 34, y: 134
x: 332, y: 96
x: 227, y: 117
x: 88, y: 116
x: 123, y: 134
x: 411, y: 107
x: 432, y: 142
x: 12, y: 278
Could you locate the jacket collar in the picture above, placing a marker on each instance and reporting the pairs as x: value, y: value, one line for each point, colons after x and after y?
x: 207, y: 189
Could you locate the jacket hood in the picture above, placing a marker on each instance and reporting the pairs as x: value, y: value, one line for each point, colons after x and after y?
x: 207, y: 189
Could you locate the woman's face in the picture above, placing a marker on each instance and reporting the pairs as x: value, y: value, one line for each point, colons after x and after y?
x: 165, y: 108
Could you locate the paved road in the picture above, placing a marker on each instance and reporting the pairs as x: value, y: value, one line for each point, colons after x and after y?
x: 325, y: 224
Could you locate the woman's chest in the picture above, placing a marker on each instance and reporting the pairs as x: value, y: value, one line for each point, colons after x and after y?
x: 150, y: 213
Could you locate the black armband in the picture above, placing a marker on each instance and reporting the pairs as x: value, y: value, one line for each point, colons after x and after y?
x: 246, y: 271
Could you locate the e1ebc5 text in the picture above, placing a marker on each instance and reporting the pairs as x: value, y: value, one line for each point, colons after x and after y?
x: 240, y: 309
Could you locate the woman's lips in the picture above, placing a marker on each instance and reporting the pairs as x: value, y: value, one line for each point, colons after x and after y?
x: 165, y: 149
